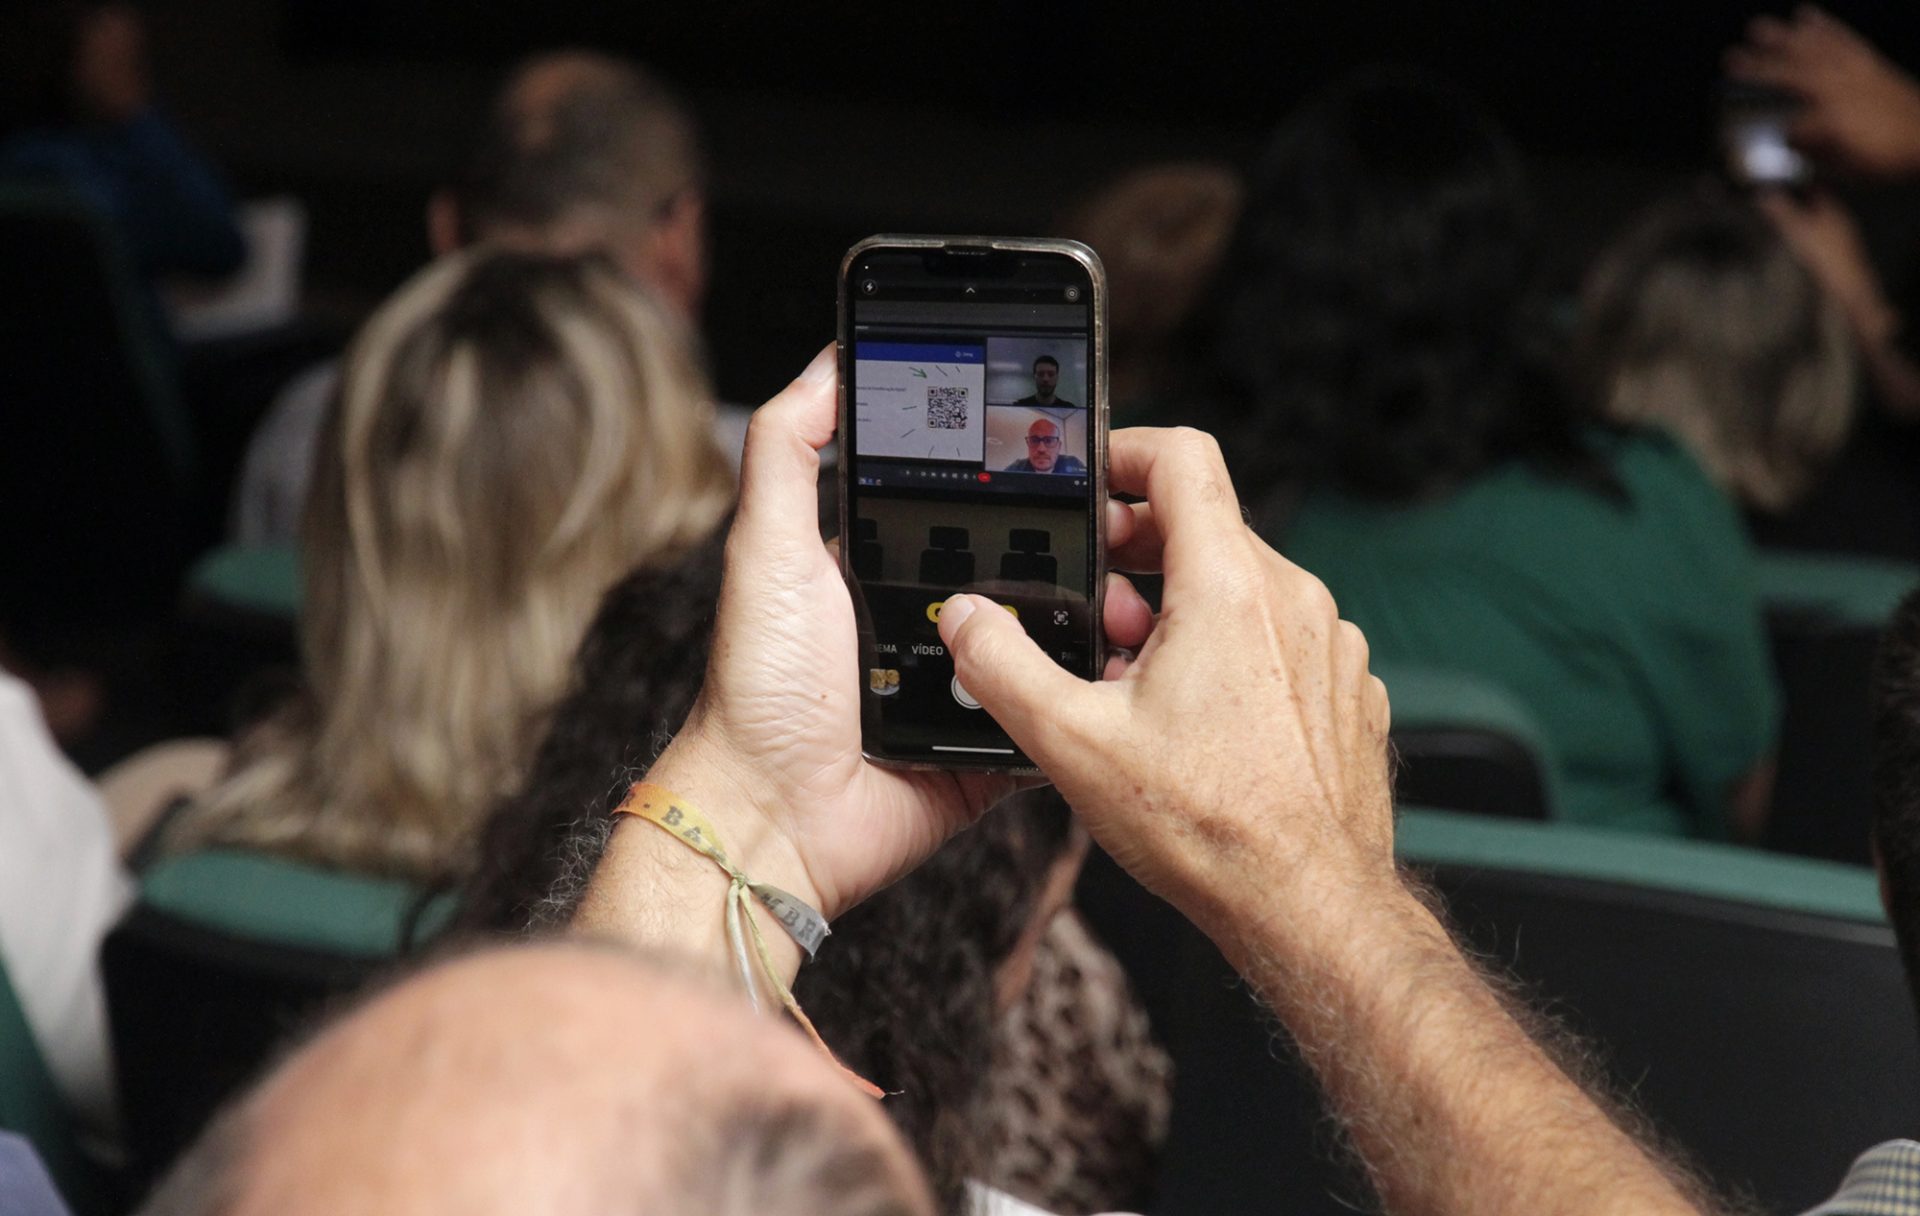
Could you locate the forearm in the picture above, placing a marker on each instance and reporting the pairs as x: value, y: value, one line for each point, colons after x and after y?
x: 1450, y: 1102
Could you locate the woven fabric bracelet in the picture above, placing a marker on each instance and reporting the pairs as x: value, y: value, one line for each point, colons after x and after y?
x: 679, y: 818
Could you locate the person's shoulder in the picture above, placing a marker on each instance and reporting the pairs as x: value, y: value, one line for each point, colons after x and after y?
x: 1030, y: 399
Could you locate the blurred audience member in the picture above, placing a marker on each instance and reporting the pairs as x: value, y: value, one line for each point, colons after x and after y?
x: 513, y: 432
x: 580, y: 152
x: 61, y: 889
x: 79, y: 114
x: 1015, y: 1055
x: 1160, y: 231
x: 1700, y: 321
x: 1380, y: 359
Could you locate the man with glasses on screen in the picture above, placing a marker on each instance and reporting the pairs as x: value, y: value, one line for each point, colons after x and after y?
x: 1043, y: 452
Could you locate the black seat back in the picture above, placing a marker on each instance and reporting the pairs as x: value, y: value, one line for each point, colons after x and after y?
x: 97, y: 462
x: 1773, y: 1042
x: 196, y: 1014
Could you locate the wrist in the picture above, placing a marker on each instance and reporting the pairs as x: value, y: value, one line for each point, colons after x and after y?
x: 1874, y: 321
x: 656, y: 890
x: 746, y: 812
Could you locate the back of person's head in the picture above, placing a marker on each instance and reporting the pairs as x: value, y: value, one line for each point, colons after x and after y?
x: 1896, y: 779
x: 905, y: 991
x: 583, y: 151
x: 1372, y: 331
x: 1700, y: 320
x: 1160, y: 231
x: 566, y: 1080
x: 513, y: 433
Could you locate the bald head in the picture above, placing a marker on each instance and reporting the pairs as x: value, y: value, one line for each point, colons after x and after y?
x: 552, y: 1079
x: 586, y: 152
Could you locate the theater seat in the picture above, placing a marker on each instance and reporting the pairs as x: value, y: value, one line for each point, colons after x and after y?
x: 238, y: 633
x: 1824, y: 618
x: 867, y: 555
x: 947, y: 564
x: 1030, y: 559
x: 222, y: 958
x: 31, y: 1106
x: 1466, y: 744
x: 1753, y: 1004
x: 98, y: 464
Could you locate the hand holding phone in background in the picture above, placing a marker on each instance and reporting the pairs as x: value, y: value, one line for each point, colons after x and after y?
x: 1856, y: 109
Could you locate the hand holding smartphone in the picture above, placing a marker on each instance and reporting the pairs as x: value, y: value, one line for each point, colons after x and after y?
x: 973, y: 430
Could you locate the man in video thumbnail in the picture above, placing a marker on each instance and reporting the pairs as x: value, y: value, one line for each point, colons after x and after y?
x: 1043, y: 449
x: 1046, y: 377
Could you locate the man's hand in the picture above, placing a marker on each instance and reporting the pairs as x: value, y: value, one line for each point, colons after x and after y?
x: 1861, y: 111
x: 1238, y: 766
x: 771, y: 751
x: 1823, y: 236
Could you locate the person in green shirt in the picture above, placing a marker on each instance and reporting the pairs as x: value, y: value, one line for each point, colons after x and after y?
x: 1378, y: 360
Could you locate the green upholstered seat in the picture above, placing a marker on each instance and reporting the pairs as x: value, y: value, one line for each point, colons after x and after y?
x: 1843, y: 590
x: 1692, y: 867
x: 225, y: 956
x: 263, y: 580
x: 1469, y: 744
x: 267, y: 899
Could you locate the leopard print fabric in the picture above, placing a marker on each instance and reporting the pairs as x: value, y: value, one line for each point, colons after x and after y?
x: 1077, y: 1106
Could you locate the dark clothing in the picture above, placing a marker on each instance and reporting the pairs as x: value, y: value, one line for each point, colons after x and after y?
x: 1058, y: 403
x: 164, y: 200
x: 1065, y: 464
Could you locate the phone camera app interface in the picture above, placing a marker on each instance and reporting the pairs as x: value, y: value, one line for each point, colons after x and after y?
x: 972, y: 441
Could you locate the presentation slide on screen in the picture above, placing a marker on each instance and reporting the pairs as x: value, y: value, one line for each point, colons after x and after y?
x: 920, y: 401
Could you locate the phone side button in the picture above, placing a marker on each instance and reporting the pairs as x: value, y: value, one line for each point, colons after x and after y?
x: 961, y: 695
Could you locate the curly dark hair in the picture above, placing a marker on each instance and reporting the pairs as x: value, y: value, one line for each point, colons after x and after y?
x: 1374, y: 327
x: 904, y: 989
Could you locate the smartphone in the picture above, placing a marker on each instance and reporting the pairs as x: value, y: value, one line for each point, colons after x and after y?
x: 973, y: 457
x: 1754, y: 121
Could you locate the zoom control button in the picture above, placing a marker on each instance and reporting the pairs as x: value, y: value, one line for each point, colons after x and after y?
x: 961, y: 695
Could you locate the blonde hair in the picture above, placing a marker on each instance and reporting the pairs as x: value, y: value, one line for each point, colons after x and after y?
x: 513, y: 433
x: 1700, y: 321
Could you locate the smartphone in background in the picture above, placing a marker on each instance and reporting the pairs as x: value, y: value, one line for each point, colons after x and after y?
x: 973, y: 440
x: 1754, y: 121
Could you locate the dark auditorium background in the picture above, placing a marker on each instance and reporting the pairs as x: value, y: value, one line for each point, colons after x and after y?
x: 829, y: 121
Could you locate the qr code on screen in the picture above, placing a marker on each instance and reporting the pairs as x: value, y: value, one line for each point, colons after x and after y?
x: 947, y: 408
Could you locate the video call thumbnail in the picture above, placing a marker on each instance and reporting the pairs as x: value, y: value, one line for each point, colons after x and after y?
x: 1038, y: 370
x: 1032, y: 439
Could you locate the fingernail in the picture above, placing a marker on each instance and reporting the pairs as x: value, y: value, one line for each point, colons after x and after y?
x: 822, y: 367
x: 954, y: 613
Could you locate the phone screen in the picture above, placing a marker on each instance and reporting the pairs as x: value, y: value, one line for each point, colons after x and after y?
x: 1754, y: 122
x: 972, y: 438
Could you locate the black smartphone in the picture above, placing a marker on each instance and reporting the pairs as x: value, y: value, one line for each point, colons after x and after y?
x: 973, y: 457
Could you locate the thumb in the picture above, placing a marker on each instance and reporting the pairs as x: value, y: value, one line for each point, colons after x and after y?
x: 1006, y: 671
